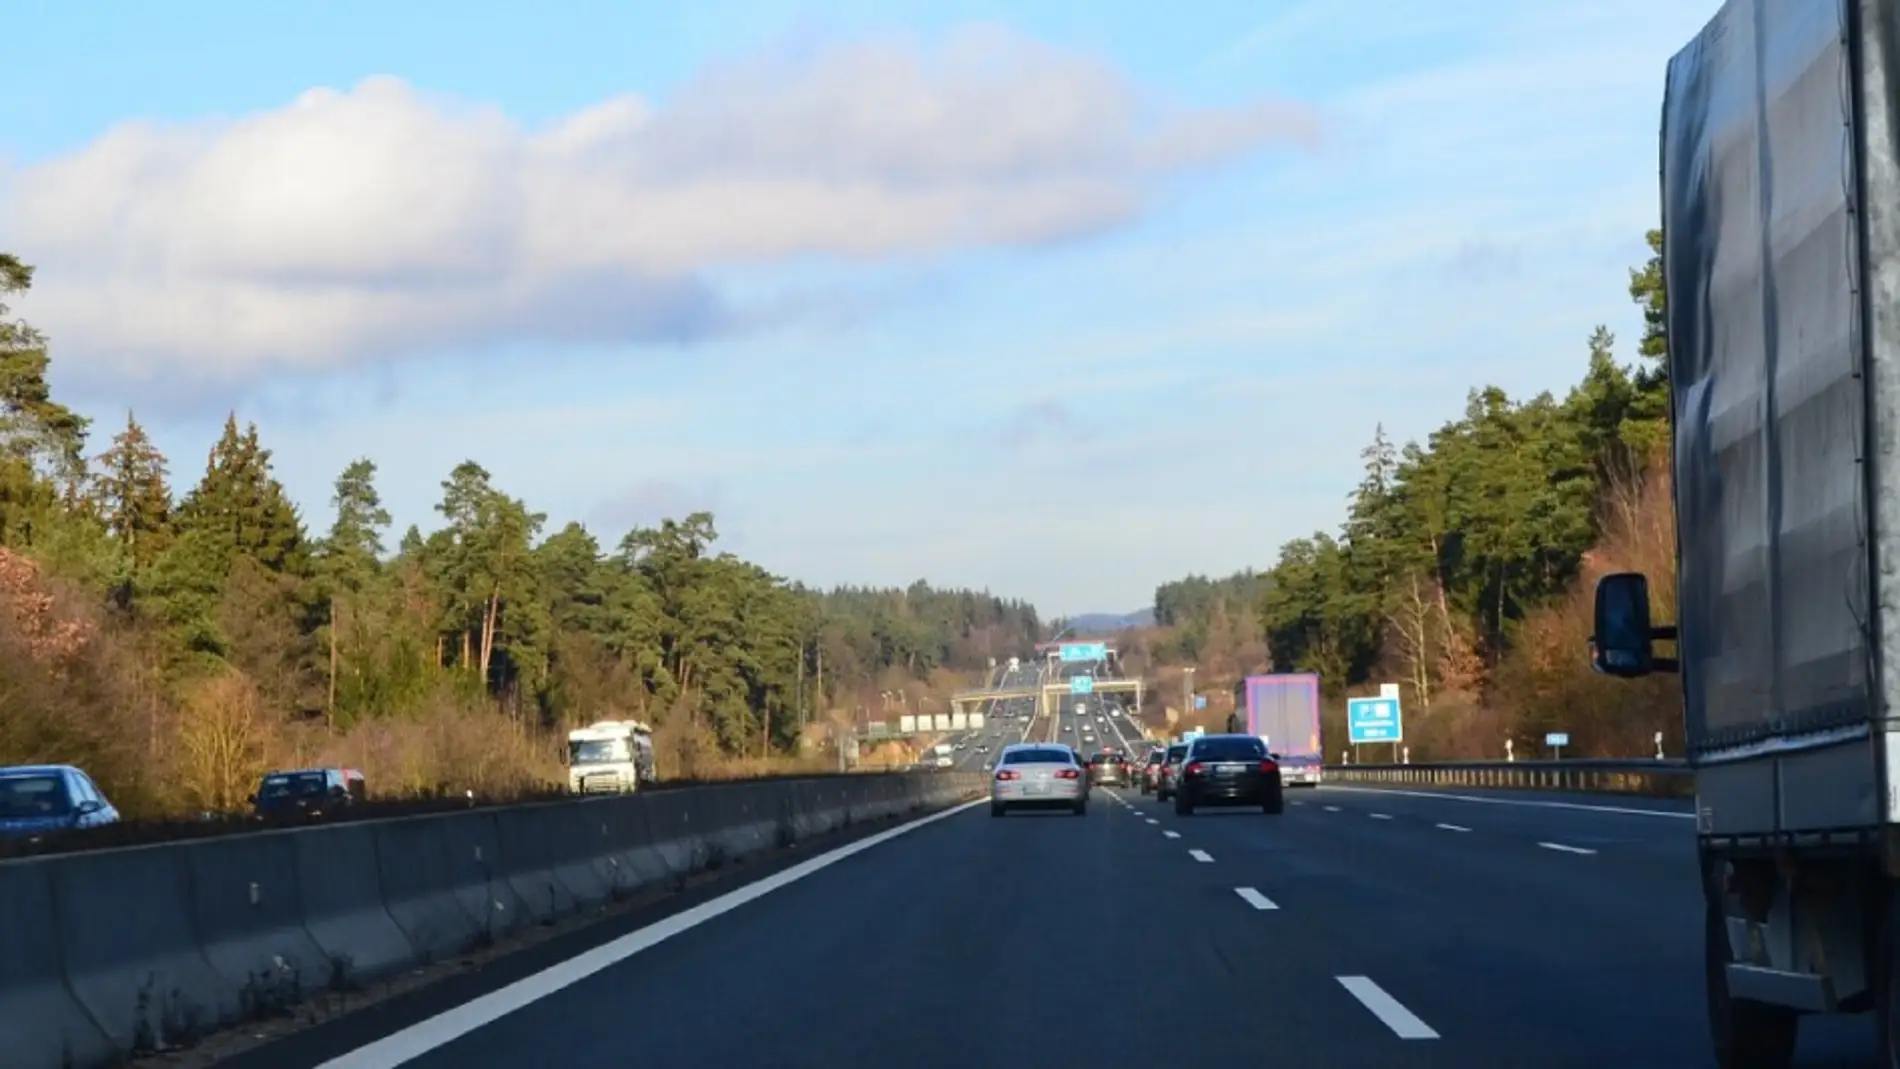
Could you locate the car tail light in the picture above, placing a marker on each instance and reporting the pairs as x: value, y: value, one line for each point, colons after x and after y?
x: 1269, y: 767
x: 1008, y: 774
x: 1068, y: 773
x: 1193, y: 768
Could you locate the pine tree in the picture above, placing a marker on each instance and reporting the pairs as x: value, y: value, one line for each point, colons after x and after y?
x: 243, y: 507
x: 132, y: 496
x: 351, y: 561
x: 354, y: 548
x: 33, y: 427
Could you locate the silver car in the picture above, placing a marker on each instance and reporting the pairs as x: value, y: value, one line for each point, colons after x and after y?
x: 1039, y: 776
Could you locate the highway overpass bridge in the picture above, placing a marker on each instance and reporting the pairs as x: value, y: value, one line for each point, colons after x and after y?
x: 1047, y: 695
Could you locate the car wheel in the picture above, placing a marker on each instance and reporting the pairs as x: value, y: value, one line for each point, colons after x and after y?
x: 1082, y: 808
x: 1183, y: 807
x: 996, y: 809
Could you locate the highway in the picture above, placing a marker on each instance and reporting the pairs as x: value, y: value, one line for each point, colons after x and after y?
x: 1066, y: 726
x: 1005, y: 722
x: 1363, y: 928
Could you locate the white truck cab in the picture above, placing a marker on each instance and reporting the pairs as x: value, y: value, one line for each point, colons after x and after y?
x: 610, y: 757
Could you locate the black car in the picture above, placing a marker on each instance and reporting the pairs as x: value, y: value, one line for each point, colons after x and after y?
x: 1106, y: 769
x: 308, y: 792
x: 1228, y: 770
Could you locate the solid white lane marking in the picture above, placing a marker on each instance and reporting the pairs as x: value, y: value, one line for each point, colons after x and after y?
x: 1451, y: 827
x: 1152, y: 820
x: 1526, y: 803
x: 424, y: 1036
x: 1171, y: 834
x: 1201, y: 856
x: 1403, y: 1022
x: 1566, y: 849
x: 1332, y: 809
x: 1255, y: 898
x: 1380, y: 816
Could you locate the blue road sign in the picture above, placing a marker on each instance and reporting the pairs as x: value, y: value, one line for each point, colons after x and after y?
x: 1085, y: 651
x: 1557, y: 738
x: 1200, y: 701
x: 1081, y: 684
x: 1373, y: 720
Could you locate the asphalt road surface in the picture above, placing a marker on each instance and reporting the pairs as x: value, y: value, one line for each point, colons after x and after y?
x: 1362, y: 929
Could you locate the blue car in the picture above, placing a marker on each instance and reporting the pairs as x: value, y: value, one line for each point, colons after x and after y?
x: 38, y: 800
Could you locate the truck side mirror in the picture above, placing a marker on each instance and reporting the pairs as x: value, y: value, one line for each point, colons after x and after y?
x: 1624, y: 642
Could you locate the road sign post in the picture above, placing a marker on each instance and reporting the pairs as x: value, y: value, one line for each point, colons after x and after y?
x: 1374, y: 720
x: 1557, y: 740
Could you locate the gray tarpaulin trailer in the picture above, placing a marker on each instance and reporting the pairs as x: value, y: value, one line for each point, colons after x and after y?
x: 1781, y: 261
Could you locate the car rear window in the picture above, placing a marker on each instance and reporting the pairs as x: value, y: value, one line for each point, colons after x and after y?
x: 1175, y: 753
x: 1244, y: 749
x: 1156, y: 757
x: 293, y: 784
x: 1037, y: 757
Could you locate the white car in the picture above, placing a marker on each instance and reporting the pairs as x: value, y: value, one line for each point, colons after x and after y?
x: 1038, y: 776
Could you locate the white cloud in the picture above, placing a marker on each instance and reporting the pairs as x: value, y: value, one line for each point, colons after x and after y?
x: 380, y: 221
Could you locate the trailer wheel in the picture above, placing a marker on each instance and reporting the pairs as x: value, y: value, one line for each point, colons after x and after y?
x: 1747, y: 1034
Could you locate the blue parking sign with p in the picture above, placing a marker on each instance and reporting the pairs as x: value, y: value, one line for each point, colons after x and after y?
x: 1373, y: 720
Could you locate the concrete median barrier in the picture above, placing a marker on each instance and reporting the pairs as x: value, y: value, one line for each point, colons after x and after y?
x: 132, y: 952
x: 816, y: 809
x: 116, y: 952
x: 583, y: 853
x: 473, y: 851
x: 249, y: 920
x: 340, y: 890
x: 41, y: 1020
x: 679, y: 840
x: 527, y: 864
x: 412, y: 856
x: 747, y: 820
x: 640, y: 860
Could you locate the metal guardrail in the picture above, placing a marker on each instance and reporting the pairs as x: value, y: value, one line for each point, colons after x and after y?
x: 1668, y: 778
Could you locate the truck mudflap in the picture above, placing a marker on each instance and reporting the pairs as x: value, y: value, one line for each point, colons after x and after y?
x: 1795, y: 933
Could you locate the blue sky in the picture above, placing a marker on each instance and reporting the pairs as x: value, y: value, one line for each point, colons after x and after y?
x: 1060, y: 299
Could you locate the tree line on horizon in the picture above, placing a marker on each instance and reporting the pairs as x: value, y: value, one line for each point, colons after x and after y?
x: 1462, y: 569
x: 178, y: 643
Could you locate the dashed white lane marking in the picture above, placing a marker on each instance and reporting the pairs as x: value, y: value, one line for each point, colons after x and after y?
x: 1403, y: 1022
x: 1255, y: 898
x: 1152, y: 820
x: 1380, y: 816
x: 422, y: 1037
x: 1528, y: 803
x: 1451, y: 827
x: 1201, y: 855
x: 1567, y: 849
x: 1332, y: 809
x: 1299, y: 803
x: 1172, y: 834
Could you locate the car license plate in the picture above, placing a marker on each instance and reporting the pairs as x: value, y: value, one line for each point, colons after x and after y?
x: 1228, y: 770
x: 1038, y: 788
